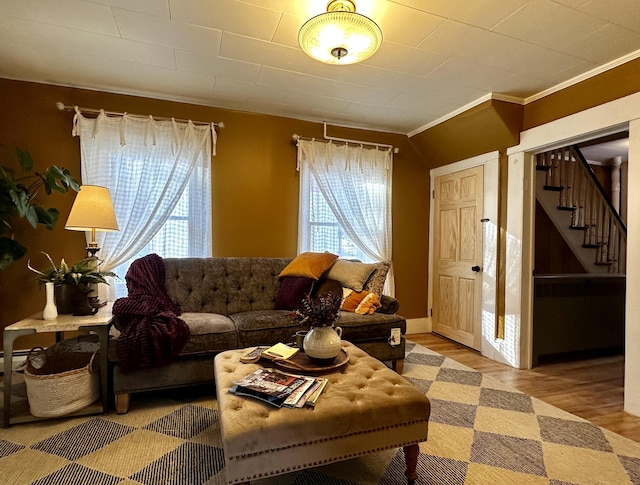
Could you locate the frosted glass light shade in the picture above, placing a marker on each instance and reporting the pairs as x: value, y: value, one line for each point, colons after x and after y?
x: 92, y: 210
x: 340, y: 36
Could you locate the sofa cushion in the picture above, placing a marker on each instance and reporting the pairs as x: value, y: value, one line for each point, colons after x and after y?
x: 292, y: 291
x: 309, y: 265
x: 266, y: 327
x: 351, y: 274
x: 210, y: 332
x: 356, y: 328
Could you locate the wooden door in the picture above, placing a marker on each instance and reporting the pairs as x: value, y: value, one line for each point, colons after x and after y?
x: 457, y: 256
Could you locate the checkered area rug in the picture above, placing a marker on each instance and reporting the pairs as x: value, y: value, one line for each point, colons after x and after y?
x: 480, y: 432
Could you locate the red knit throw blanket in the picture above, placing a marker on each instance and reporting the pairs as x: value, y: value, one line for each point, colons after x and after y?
x: 151, y: 332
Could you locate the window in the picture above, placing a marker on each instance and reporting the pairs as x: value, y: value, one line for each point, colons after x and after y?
x: 345, y: 201
x: 325, y: 232
x: 159, y: 176
x: 176, y: 238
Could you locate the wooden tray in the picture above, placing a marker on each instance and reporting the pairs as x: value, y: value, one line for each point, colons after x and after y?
x: 302, y: 363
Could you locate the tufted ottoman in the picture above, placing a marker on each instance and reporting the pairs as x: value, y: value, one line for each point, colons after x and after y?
x: 365, y: 407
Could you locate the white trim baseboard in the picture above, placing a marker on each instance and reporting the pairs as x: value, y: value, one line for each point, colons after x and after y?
x: 418, y: 325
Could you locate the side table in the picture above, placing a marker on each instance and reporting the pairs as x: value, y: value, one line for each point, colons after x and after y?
x: 98, y: 323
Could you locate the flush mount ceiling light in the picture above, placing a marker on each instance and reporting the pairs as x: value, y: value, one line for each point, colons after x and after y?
x: 340, y: 35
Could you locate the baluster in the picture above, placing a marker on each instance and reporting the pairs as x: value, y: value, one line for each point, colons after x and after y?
x: 571, y: 195
x: 580, y: 188
x: 558, y: 160
x: 614, y: 243
x: 562, y: 173
x: 601, y: 227
x: 588, y: 233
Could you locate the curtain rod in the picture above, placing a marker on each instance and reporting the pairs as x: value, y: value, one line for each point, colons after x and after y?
x: 63, y: 107
x: 297, y: 137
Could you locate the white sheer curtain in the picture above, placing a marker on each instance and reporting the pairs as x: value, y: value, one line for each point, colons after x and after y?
x: 354, y: 183
x: 147, y: 164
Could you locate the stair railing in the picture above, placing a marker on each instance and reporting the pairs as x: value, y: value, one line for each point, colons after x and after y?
x: 580, y: 192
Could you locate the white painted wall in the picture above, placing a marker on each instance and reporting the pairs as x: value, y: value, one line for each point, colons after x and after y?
x: 632, y: 314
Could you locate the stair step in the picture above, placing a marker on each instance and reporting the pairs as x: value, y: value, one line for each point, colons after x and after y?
x: 604, y: 263
x: 554, y: 188
x: 595, y: 246
x: 578, y: 228
x: 566, y: 208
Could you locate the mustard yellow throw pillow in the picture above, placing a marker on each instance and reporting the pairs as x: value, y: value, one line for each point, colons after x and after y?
x: 309, y: 265
x: 361, y: 302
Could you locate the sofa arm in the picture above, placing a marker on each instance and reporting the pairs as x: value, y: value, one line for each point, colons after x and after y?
x: 389, y: 305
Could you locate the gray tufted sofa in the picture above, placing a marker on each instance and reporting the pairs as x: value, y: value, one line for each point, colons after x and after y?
x: 228, y: 304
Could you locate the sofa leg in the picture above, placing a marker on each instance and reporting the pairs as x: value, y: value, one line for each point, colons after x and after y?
x: 122, y: 403
x: 397, y: 365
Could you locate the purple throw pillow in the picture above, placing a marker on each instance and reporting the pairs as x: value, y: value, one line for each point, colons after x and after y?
x: 293, y: 289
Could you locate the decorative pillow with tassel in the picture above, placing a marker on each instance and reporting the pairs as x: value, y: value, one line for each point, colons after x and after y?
x: 362, y: 302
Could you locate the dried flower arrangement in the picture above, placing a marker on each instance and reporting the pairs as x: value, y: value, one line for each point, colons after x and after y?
x: 319, y: 312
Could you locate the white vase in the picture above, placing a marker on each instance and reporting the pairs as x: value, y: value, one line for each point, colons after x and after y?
x: 323, y: 344
x: 50, y: 311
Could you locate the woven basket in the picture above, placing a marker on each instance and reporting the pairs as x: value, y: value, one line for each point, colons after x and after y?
x: 61, y: 383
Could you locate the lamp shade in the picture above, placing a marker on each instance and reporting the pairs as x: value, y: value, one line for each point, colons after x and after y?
x: 340, y: 35
x: 92, y: 210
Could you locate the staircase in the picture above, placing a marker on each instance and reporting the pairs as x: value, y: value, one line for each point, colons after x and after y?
x: 575, y: 201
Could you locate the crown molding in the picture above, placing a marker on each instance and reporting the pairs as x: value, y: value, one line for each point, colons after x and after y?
x: 583, y: 77
x: 524, y: 101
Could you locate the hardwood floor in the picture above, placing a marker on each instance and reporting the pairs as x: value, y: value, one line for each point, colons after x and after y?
x: 591, y: 388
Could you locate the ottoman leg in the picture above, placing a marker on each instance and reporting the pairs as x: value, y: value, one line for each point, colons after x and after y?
x: 411, y: 458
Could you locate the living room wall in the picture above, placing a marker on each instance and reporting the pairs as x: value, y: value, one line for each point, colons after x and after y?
x: 254, y: 186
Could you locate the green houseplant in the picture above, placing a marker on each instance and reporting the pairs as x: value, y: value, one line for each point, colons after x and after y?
x: 83, y: 272
x: 19, y: 190
x: 72, y: 283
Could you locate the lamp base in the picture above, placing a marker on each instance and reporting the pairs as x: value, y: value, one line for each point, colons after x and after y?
x: 92, y: 250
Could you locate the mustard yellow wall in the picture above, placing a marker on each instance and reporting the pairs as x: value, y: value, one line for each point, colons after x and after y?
x: 613, y: 84
x: 492, y: 125
x: 255, y: 186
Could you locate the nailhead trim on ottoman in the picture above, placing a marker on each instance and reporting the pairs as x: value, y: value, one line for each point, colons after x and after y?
x: 365, y: 408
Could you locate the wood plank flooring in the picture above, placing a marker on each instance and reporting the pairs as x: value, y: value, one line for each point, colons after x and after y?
x: 591, y: 388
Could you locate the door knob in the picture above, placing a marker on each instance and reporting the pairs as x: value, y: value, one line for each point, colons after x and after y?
x: 475, y: 268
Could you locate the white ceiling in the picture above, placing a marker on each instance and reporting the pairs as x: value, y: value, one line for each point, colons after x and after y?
x: 437, y: 57
x: 604, y: 152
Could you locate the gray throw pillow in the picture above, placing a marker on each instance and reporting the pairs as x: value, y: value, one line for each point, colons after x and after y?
x: 351, y: 274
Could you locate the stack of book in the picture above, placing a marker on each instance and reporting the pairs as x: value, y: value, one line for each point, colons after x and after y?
x: 280, y: 388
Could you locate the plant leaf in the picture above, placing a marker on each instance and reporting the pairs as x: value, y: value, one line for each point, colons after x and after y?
x: 24, y: 159
x: 59, y: 179
x: 10, y: 251
x: 20, y: 199
x: 48, y: 217
x: 32, y: 215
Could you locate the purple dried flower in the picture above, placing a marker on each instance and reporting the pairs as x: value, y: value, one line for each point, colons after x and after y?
x: 319, y: 312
